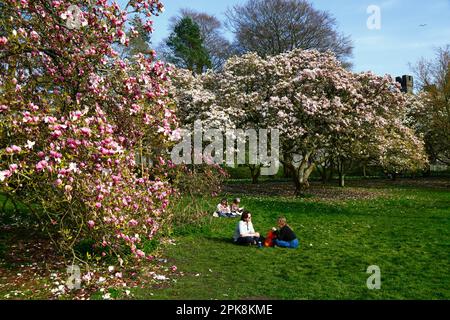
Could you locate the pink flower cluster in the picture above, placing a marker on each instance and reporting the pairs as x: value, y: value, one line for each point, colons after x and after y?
x: 77, y: 120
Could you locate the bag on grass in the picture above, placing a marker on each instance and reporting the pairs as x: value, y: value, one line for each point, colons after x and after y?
x: 269, y: 239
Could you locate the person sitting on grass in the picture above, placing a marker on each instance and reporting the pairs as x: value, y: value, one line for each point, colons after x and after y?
x: 285, y: 237
x: 223, y: 210
x: 245, y: 233
x: 235, y: 208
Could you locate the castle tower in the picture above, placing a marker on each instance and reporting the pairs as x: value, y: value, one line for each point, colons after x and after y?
x: 407, y: 83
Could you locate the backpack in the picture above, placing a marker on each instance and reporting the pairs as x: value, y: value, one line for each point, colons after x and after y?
x: 269, y: 239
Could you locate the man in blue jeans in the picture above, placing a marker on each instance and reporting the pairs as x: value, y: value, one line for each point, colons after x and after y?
x: 286, y: 238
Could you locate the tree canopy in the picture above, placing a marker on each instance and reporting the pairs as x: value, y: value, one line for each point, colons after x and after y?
x: 318, y: 106
x: 187, y: 47
x: 271, y: 27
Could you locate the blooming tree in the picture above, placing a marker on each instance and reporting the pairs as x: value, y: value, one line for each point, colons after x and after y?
x: 320, y: 108
x: 429, y: 115
x: 73, y: 117
x: 226, y: 100
x: 376, y: 119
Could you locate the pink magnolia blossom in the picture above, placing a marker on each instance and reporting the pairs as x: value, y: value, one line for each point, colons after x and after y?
x: 41, y: 165
x: 16, y: 149
x: 74, y: 147
x: 4, y: 174
x: 140, y: 253
x: 132, y: 223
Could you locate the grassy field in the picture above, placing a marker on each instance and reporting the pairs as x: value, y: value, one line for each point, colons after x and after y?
x: 403, y: 227
x: 405, y: 230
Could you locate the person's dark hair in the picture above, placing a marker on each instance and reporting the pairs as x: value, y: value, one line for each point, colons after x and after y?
x: 236, y: 200
x: 224, y: 199
x: 245, y: 215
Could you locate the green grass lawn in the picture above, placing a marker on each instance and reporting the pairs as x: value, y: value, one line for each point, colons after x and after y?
x: 404, y: 228
x: 406, y: 232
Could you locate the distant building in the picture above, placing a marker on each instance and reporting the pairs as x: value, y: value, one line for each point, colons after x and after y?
x: 407, y: 83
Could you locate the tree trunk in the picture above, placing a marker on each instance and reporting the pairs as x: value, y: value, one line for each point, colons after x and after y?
x: 330, y: 177
x: 427, y: 172
x: 301, y: 185
x: 364, y: 171
x: 323, y: 173
x: 255, y: 172
x: 341, y: 172
x: 341, y: 179
x: 301, y: 174
x: 394, y: 176
x: 286, y: 172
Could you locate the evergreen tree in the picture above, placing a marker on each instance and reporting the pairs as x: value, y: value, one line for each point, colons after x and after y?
x: 187, y: 47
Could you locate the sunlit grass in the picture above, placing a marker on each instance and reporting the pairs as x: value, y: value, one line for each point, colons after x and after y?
x: 407, y: 234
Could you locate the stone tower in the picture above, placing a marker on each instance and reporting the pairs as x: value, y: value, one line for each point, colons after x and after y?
x: 407, y: 83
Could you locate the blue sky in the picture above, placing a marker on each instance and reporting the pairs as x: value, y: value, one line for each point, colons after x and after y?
x: 388, y: 50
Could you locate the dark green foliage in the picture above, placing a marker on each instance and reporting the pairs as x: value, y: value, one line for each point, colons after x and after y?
x: 187, y: 47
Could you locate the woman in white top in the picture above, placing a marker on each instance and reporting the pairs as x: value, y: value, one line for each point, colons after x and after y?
x: 245, y: 233
x: 224, y: 210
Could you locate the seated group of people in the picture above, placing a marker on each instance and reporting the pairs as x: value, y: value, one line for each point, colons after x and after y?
x: 245, y: 234
x: 283, y: 236
x: 226, y: 211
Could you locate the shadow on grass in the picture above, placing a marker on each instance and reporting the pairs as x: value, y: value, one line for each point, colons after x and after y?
x: 356, y: 189
x: 220, y: 240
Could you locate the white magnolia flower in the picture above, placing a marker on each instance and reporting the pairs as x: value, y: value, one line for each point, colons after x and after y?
x: 73, y: 167
x: 30, y: 144
x: 87, y: 277
x: 160, y: 277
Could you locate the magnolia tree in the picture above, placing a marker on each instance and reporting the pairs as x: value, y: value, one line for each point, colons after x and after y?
x: 429, y: 115
x: 321, y: 109
x: 227, y: 100
x: 73, y: 117
x: 376, y: 123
